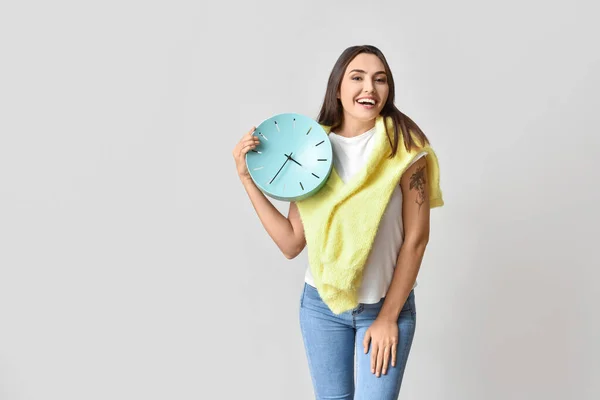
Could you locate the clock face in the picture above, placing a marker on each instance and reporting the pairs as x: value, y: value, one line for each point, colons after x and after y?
x: 294, y: 158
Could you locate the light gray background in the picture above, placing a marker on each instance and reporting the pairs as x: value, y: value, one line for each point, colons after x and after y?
x: 133, y: 266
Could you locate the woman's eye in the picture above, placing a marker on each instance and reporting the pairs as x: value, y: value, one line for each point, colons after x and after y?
x: 382, y: 80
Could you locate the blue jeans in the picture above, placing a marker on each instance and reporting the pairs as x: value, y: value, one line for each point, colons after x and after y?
x: 331, y: 342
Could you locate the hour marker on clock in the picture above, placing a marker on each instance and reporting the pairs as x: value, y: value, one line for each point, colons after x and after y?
x: 319, y: 143
x: 315, y: 175
x: 257, y: 168
x: 294, y: 123
x: 277, y: 126
x: 309, y: 129
x: 263, y: 135
x: 256, y: 151
x: 301, y: 186
x: 321, y: 159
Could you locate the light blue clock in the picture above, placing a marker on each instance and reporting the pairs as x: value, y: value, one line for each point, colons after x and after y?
x: 294, y: 158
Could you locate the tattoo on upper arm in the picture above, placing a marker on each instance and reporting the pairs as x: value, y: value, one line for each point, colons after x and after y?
x: 417, y: 182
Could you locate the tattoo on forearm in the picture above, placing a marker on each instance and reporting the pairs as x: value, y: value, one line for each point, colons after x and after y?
x: 417, y: 182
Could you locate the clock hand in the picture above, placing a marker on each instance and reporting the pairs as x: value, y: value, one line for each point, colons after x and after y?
x: 290, y: 157
x: 286, y: 160
x: 312, y: 173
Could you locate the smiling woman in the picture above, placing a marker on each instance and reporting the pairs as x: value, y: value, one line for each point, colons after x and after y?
x: 363, y: 72
x: 372, y: 87
x: 366, y: 232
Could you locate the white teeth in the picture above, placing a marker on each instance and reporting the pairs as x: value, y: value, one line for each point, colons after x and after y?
x: 363, y: 101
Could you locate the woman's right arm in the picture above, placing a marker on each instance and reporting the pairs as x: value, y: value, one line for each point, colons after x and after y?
x: 287, y: 233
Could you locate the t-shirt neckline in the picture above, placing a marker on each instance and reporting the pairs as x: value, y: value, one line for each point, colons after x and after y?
x: 354, y: 138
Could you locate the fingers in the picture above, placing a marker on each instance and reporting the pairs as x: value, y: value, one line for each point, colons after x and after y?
x: 386, y: 359
x: 247, y: 143
x: 374, y: 351
x: 246, y: 148
x: 250, y: 132
x: 251, y: 143
x: 380, y: 357
x: 249, y: 137
x: 380, y: 352
x: 366, y: 341
x: 384, y: 343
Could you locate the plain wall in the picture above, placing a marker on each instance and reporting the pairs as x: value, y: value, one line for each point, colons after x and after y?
x: 133, y: 265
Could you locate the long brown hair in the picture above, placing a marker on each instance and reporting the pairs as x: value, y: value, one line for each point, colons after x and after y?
x: 332, y: 114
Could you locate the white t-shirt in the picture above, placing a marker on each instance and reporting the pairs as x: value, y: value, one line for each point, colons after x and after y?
x: 349, y: 156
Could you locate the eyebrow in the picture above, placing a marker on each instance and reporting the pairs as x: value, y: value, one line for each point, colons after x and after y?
x: 364, y: 72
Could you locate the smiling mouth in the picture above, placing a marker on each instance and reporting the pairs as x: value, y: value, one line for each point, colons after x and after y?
x: 367, y: 104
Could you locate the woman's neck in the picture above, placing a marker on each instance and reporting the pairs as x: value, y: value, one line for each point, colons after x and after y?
x: 354, y: 127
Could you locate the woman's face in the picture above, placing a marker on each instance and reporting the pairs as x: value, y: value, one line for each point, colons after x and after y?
x: 363, y: 79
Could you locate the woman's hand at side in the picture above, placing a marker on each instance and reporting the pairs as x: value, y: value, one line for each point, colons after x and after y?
x: 383, y: 337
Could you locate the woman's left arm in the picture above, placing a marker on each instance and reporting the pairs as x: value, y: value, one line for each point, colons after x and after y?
x: 415, y: 216
x: 382, y: 335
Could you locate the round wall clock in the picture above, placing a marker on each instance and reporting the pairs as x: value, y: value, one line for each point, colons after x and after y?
x: 294, y: 158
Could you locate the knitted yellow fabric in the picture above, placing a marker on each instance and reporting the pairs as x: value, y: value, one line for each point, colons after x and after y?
x: 341, y: 219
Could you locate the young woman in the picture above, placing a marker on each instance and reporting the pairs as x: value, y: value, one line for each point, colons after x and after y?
x: 361, y: 353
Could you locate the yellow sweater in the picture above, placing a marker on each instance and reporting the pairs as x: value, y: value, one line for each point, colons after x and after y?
x: 341, y: 219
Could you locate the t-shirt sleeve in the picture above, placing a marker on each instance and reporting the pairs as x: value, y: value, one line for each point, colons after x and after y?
x: 417, y: 157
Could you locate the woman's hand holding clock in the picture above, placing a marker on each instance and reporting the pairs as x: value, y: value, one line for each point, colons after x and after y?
x: 247, y: 142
